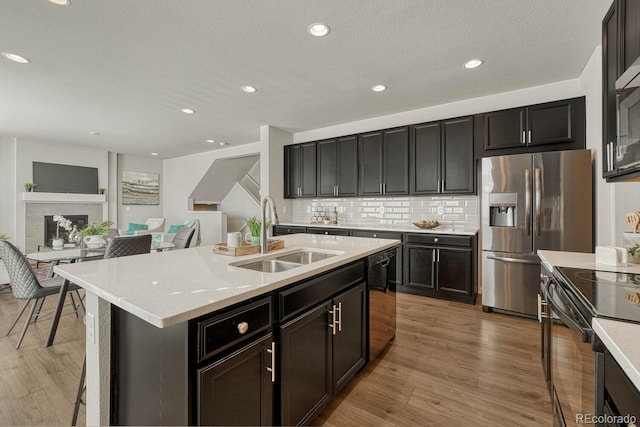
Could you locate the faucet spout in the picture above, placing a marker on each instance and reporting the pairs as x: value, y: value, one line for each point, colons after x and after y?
x: 264, y: 247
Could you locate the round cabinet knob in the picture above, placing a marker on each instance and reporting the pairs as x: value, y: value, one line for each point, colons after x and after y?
x: 435, y: 240
x: 243, y: 327
x: 326, y: 232
x: 375, y: 235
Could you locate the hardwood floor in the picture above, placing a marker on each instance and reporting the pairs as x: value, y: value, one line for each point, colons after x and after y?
x: 450, y: 364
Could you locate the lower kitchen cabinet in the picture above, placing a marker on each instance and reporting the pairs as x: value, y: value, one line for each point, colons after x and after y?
x: 442, y: 266
x: 321, y: 350
x: 280, y: 230
x: 238, y: 388
x: 328, y: 231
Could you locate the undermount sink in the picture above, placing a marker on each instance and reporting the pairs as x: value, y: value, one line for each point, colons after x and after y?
x: 270, y: 266
x: 284, y: 262
x: 305, y: 257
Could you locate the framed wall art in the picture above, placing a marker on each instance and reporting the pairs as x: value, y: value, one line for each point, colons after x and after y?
x: 140, y: 188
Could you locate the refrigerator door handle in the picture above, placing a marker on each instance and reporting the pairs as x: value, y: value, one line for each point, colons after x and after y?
x: 514, y: 260
x: 527, y: 202
x: 538, y: 200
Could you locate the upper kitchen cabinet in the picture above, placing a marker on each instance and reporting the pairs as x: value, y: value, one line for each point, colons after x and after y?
x: 337, y: 167
x: 557, y: 125
x: 300, y: 170
x: 609, y: 76
x: 629, y: 33
x: 441, y: 157
x: 384, y: 162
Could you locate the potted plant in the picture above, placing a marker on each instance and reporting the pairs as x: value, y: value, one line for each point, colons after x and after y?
x: 30, y: 186
x: 254, y: 225
x: 92, y: 234
x: 101, y: 190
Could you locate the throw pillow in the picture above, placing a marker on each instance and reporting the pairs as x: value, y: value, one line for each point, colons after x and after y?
x: 133, y: 227
x: 173, y: 229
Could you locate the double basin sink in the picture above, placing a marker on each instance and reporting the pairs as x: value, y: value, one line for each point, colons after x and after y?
x: 284, y: 262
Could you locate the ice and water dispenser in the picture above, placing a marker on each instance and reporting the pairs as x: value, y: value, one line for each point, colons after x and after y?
x: 502, y: 209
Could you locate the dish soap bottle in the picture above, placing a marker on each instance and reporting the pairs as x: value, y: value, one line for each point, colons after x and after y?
x: 335, y: 215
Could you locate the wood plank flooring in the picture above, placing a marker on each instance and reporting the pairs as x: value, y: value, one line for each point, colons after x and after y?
x: 451, y: 364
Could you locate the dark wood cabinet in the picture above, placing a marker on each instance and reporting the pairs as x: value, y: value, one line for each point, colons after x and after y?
x: 300, y: 170
x: 609, y: 76
x: 337, y: 167
x: 556, y: 125
x: 629, y: 33
x: 441, y: 157
x: 383, y: 162
x: 621, y: 396
x: 238, y: 389
x: 442, y: 266
x: 328, y: 231
x: 281, y: 230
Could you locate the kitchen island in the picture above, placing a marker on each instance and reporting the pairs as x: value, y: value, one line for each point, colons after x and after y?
x: 161, y: 313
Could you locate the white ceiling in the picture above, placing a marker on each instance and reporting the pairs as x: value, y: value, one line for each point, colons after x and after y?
x: 125, y: 68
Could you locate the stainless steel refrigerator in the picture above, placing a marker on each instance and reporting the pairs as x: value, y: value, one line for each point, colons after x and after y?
x: 531, y: 202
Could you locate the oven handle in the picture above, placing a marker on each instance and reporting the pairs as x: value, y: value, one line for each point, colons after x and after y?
x: 564, y: 316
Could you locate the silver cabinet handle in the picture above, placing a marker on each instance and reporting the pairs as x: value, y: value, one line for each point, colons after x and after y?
x: 442, y: 186
x: 272, y: 369
x: 334, y: 317
x: 384, y: 188
x: 438, y: 186
x: 529, y: 136
x: 438, y: 255
x: 339, y: 317
x: 514, y: 260
x: 527, y: 202
x: 541, y: 312
x: 523, y: 140
x: 380, y: 188
x: 538, y: 200
x: 433, y: 256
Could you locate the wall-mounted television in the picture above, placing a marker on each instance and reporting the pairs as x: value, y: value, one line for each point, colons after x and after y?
x: 57, y: 178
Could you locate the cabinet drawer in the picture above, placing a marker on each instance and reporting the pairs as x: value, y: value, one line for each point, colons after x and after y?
x: 440, y: 239
x: 620, y: 389
x: 280, y: 230
x: 223, y: 331
x: 315, y: 291
x: 328, y: 231
x: 376, y: 234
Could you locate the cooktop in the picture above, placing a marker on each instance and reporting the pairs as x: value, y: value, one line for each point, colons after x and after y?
x: 608, y: 294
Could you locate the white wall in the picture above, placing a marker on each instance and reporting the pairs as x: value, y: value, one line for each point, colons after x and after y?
x: 238, y: 206
x: 272, y: 142
x: 137, y: 213
x: 8, y: 187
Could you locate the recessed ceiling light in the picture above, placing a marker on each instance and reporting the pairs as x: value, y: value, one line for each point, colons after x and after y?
x: 249, y: 89
x: 223, y: 143
x: 16, y: 58
x: 211, y: 141
x: 154, y: 154
x: 94, y: 133
x: 474, y: 63
x: 188, y: 111
x: 61, y: 2
x: 378, y: 88
x: 318, y: 29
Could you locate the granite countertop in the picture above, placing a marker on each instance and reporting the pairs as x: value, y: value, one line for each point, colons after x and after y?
x: 621, y: 339
x: 581, y: 260
x: 167, y: 288
x: 442, y: 229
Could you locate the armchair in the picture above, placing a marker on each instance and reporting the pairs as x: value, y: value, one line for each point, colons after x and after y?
x: 154, y: 225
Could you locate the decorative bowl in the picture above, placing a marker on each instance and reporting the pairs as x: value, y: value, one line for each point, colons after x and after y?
x: 426, y: 225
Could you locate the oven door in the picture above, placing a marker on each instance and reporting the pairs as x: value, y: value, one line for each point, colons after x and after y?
x: 571, y: 358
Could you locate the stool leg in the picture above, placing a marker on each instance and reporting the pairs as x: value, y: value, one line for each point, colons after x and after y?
x: 81, y: 388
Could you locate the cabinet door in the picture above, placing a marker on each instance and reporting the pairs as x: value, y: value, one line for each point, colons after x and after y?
x: 370, y: 165
x: 609, y: 76
x: 281, y: 230
x: 419, y: 267
x: 458, y: 164
x: 396, y: 161
x: 425, y: 159
x: 328, y: 231
x: 504, y: 129
x: 308, y: 169
x: 349, y: 339
x: 305, y: 373
x: 347, y: 166
x: 551, y: 123
x: 292, y: 171
x: 629, y: 33
x: 454, y: 272
x: 327, y: 167
x: 237, y: 389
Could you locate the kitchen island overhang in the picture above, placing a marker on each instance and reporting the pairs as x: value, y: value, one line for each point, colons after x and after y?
x: 166, y: 289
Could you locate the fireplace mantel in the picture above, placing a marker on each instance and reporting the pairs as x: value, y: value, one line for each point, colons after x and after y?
x: 36, y: 197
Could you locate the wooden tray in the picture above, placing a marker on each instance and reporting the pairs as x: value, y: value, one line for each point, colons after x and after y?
x: 246, y: 248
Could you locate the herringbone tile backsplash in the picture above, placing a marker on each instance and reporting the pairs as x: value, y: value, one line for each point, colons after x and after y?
x: 448, y: 210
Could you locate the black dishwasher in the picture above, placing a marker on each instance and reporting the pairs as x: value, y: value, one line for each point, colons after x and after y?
x: 382, y: 279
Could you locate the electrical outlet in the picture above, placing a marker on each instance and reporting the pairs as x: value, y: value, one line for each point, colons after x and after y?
x: 381, y: 210
x: 91, y: 328
x: 440, y: 210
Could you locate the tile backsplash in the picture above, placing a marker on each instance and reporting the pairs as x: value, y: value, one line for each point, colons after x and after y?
x: 448, y: 210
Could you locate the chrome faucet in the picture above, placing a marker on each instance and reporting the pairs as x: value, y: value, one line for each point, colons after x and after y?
x: 264, y: 247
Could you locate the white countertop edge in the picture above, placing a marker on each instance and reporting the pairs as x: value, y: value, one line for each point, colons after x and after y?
x: 620, y: 338
x: 294, y: 275
x: 391, y: 228
x: 552, y: 259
